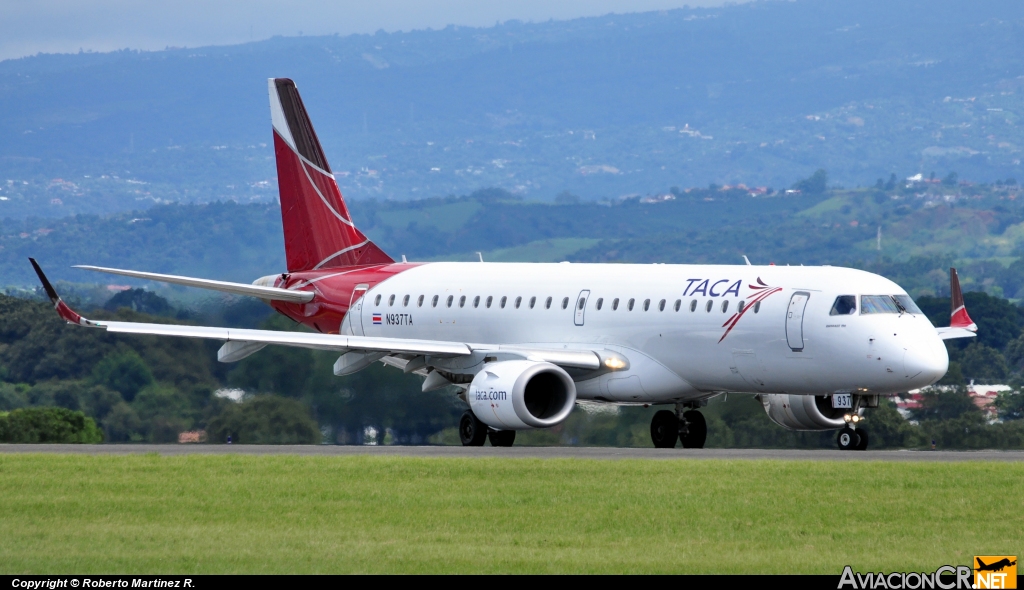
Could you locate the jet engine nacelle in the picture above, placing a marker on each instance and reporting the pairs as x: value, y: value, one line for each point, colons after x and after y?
x: 802, y: 412
x: 520, y: 395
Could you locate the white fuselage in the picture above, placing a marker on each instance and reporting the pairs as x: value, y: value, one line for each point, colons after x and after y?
x: 682, y: 349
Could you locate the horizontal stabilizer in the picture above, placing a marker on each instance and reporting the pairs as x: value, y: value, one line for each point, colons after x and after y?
x: 270, y: 293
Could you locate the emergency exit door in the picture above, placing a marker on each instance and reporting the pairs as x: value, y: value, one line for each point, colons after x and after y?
x: 581, y: 306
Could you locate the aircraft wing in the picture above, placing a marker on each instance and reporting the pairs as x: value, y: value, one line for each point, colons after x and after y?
x: 248, y: 341
x: 271, y: 293
x: 951, y: 333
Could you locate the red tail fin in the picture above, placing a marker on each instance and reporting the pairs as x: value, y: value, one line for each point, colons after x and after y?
x: 318, y: 230
x: 958, y: 317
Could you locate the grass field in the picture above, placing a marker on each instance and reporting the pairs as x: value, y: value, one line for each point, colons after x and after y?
x: 281, y: 514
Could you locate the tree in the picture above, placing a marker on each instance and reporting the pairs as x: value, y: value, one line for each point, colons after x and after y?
x: 265, y: 419
x: 891, y: 184
x: 951, y: 179
x: 124, y: 372
x: 567, y: 198
x: 983, y: 363
x: 946, y: 403
x: 1010, y: 405
x: 140, y: 300
x: 48, y: 425
x: 815, y: 184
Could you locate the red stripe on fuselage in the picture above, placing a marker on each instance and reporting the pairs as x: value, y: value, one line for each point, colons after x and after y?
x: 333, y: 288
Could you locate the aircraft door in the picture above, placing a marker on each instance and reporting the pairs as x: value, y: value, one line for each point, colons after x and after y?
x: 581, y: 306
x: 355, y: 308
x: 795, y: 320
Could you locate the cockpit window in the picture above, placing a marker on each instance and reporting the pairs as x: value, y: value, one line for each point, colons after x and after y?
x: 878, y: 304
x: 908, y: 304
x: 844, y: 305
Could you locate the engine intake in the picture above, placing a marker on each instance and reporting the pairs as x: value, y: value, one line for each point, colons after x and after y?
x: 802, y: 412
x: 520, y: 395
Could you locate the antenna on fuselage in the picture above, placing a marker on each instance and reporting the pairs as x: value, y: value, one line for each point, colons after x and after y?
x: 481, y: 255
x: 747, y: 260
x: 403, y: 259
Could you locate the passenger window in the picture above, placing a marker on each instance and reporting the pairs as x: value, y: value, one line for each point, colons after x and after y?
x: 433, y: 302
x: 600, y: 302
x: 877, y: 304
x: 503, y: 300
x: 844, y: 305
x: 679, y: 303
x: 419, y: 301
x: 476, y: 301
x: 547, y: 303
x: 647, y: 304
x: 757, y: 307
x: 629, y: 305
x: 391, y: 301
x: 661, y: 305
x: 908, y: 304
x: 518, y: 301
x: 450, y: 299
x: 582, y: 302
x: 707, y: 307
x: 376, y: 300
x: 462, y: 301
x: 405, y: 301
x: 693, y: 305
x: 741, y: 305
x: 615, y: 304
x: 725, y: 306
x: 489, y: 300
x: 533, y: 301
x: 565, y: 303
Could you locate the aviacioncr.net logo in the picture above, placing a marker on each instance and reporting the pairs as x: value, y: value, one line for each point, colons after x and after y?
x: 946, y: 577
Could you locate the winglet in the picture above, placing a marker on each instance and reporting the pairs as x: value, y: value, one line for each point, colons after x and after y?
x: 66, y: 313
x: 958, y: 317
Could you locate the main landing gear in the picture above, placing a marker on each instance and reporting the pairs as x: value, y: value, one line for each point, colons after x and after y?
x: 473, y: 433
x: 850, y: 439
x: 688, y: 427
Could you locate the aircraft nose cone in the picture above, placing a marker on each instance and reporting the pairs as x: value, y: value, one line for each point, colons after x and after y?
x: 925, y: 362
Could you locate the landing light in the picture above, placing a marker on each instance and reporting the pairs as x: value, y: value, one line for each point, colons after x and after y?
x: 614, y: 363
x: 855, y: 418
x: 846, y: 417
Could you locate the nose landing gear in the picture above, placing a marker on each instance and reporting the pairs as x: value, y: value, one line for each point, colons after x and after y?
x: 849, y: 439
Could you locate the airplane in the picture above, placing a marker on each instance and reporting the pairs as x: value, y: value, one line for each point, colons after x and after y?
x: 524, y: 343
x: 994, y: 567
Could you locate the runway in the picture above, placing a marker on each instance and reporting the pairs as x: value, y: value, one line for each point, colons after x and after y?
x: 599, y: 453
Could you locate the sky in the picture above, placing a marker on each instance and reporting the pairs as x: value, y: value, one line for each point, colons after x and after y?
x: 28, y: 27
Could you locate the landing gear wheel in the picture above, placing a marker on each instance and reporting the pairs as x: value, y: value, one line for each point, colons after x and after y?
x: 502, y: 438
x: 664, y: 429
x: 862, y: 444
x: 472, y: 432
x: 848, y: 439
x: 696, y: 431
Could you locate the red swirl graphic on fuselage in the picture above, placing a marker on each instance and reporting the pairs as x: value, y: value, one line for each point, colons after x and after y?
x: 761, y: 292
